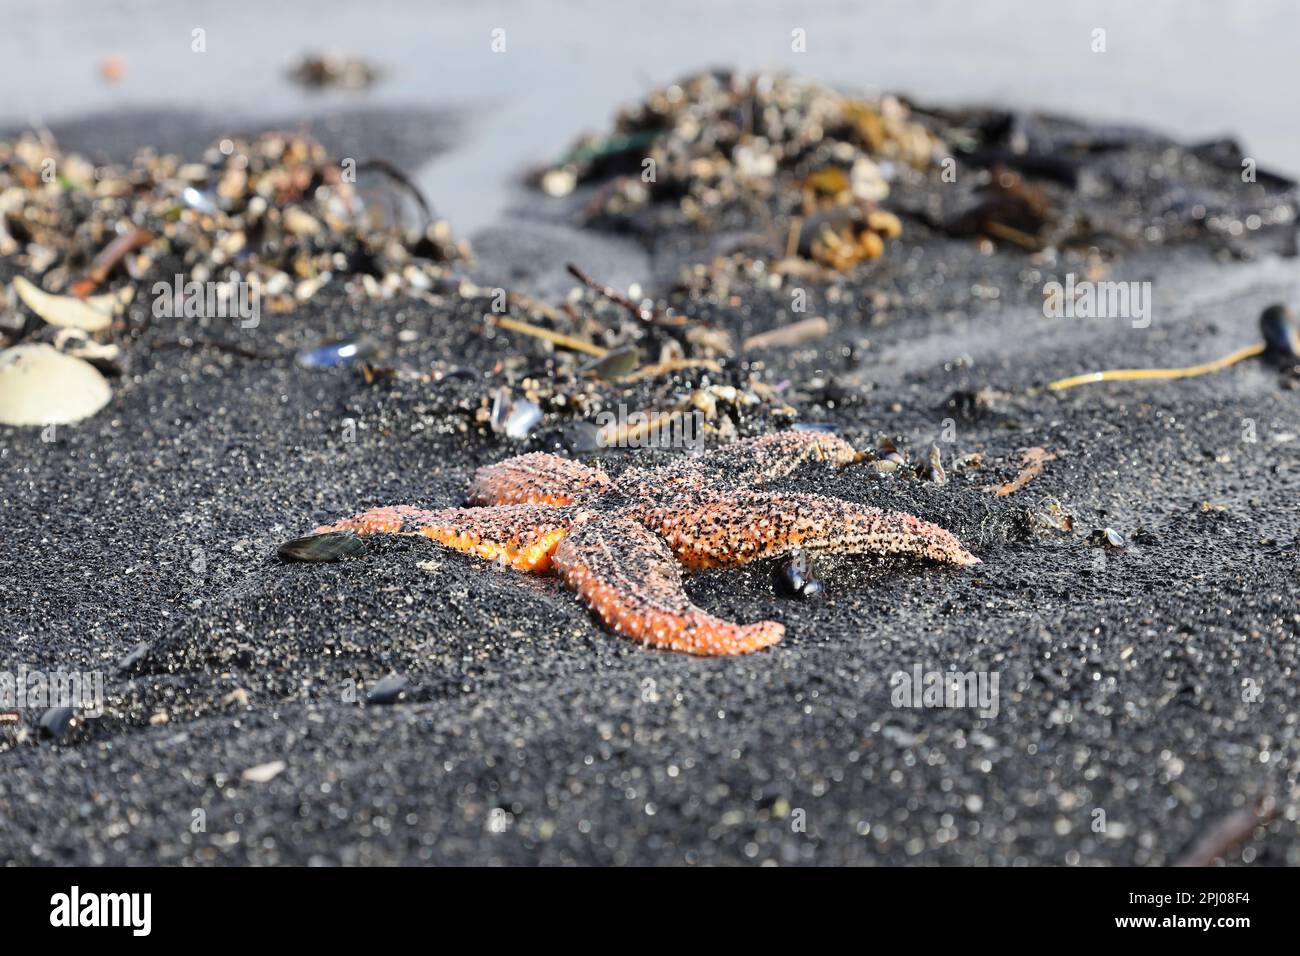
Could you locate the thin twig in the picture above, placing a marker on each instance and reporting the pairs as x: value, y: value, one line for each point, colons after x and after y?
x: 107, y: 260
x: 793, y: 236
x: 1023, y: 239
x: 525, y: 301
x: 673, y: 365
x: 1230, y: 832
x: 1032, y: 461
x: 645, y: 315
x: 618, y: 436
x: 218, y: 346
x: 796, y: 333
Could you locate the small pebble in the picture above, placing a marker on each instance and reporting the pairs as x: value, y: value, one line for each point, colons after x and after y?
x: 56, y: 722
x: 387, y: 691
x: 263, y: 772
x: 199, y: 201
x: 237, y: 696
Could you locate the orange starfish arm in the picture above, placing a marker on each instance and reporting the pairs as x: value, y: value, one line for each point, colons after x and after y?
x: 535, y: 479
x: 714, y: 530
x: 754, y: 461
x: 630, y: 579
x: 521, y: 536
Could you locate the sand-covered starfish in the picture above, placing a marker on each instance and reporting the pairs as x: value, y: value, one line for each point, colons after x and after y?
x: 619, y: 542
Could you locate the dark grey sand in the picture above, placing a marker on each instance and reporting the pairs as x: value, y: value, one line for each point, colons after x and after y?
x: 529, y: 734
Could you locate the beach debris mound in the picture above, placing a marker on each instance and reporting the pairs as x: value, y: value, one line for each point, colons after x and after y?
x: 717, y: 149
x: 330, y: 70
x: 275, y: 211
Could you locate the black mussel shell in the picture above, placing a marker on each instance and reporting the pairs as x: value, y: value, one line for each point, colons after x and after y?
x: 811, y: 587
x: 574, y: 438
x: 386, y: 691
x: 328, y: 546
x: 1277, y: 322
x: 616, y: 364
x: 795, y: 577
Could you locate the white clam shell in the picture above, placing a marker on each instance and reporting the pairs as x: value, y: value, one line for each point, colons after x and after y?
x: 39, y: 385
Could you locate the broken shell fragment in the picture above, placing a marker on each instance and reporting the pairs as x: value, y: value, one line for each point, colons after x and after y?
x: 932, y: 468
x: 103, y: 355
x: 501, y: 404
x: 338, y: 354
x: 39, y: 385
x: 62, y: 310
x: 1052, y: 516
x: 301, y: 223
x: 523, y: 419
x: 516, y: 418
x: 199, y: 201
x: 1108, y: 538
x: 327, y: 546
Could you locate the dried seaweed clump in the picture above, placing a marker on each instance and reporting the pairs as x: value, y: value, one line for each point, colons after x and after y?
x: 720, y: 150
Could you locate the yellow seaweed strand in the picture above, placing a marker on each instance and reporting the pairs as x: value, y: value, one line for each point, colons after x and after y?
x: 555, y: 338
x: 1142, y: 374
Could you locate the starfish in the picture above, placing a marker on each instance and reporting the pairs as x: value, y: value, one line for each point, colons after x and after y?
x: 620, y: 542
